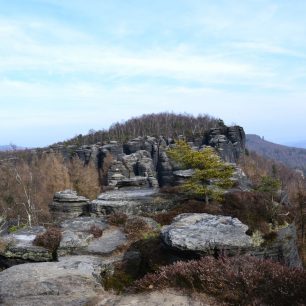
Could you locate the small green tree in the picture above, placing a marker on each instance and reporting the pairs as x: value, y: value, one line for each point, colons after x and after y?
x: 269, y: 185
x: 211, y: 175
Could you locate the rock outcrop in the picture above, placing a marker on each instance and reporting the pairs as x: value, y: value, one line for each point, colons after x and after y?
x: 67, y: 204
x: 229, y: 141
x: 282, y: 249
x: 19, y: 248
x: 145, y: 157
x: 132, y: 201
x: 206, y: 234
x: 70, y: 281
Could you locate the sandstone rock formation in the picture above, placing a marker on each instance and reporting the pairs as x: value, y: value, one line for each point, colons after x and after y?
x: 71, y: 281
x: 19, y: 248
x: 67, y: 204
x: 130, y: 201
x: 206, y: 234
x: 145, y: 157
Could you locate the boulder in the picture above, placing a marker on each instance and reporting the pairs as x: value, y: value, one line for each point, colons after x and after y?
x: 110, y: 241
x: 70, y: 281
x: 206, y: 234
x: 76, y: 234
x: 67, y: 204
x: 19, y: 248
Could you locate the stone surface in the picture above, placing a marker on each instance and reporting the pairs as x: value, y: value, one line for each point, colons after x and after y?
x: 111, y: 239
x: 228, y: 141
x: 67, y: 204
x: 20, y: 249
x: 76, y: 234
x: 283, y: 249
x: 130, y: 201
x: 204, y: 233
x: 156, y: 298
x: 71, y: 281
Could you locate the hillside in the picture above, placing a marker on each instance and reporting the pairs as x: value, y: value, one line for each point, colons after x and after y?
x: 167, y: 124
x: 292, y: 157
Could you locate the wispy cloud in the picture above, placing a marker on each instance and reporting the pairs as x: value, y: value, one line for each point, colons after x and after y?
x: 100, y: 61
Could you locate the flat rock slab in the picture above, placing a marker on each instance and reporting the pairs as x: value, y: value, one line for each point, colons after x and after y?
x: 204, y: 233
x: 71, y: 281
x: 76, y: 234
x: 111, y: 239
x: 20, y: 247
x: 130, y: 201
x: 82, y: 224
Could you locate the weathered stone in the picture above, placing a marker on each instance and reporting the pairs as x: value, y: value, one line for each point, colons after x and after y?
x: 283, y: 248
x: 240, y: 180
x: 20, y: 249
x: 67, y: 204
x: 111, y: 239
x: 76, y: 234
x: 71, y: 281
x: 136, y: 181
x: 204, y: 233
x: 228, y: 141
x: 131, y: 201
x: 155, y: 298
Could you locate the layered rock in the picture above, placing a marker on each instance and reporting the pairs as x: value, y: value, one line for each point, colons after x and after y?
x: 67, y: 204
x: 130, y: 201
x: 228, y: 141
x: 19, y: 248
x: 206, y: 234
x: 283, y: 248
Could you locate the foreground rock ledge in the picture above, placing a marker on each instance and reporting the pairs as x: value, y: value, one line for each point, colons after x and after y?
x: 204, y: 233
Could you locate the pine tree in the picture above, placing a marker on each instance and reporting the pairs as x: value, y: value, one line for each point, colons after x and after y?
x: 211, y: 175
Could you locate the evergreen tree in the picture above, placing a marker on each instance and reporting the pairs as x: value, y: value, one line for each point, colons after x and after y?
x: 211, y: 175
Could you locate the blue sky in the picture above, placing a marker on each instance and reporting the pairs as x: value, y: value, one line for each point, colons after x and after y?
x: 71, y: 65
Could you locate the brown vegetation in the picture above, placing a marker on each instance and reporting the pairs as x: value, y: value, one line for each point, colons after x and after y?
x: 50, y: 239
x: 84, y: 178
x: 96, y: 231
x: 235, y: 281
x: 28, y: 182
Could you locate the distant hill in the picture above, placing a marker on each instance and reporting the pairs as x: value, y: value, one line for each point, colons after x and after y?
x: 166, y: 124
x: 292, y: 157
x: 299, y: 144
x: 9, y: 148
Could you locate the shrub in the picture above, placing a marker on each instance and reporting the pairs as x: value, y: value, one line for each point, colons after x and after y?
x: 50, y: 239
x: 117, y: 219
x: 96, y: 231
x: 236, y: 281
x: 136, y: 228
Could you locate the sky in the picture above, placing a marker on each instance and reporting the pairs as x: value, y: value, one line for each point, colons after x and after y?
x: 68, y: 66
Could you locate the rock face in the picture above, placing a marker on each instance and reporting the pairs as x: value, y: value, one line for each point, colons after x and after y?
x: 67, y: 204
x: 204, y: 234
x: 283, y: 248
x: 229, y: 141
x: 145, y: 157
x: 20, y: 249
x: 130, y: 201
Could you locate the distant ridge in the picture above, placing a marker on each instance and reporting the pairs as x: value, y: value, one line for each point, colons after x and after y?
x: 292, y: 157
x: 9, y: 148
